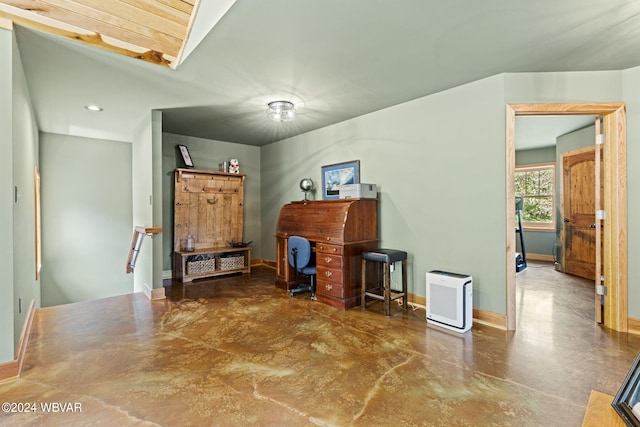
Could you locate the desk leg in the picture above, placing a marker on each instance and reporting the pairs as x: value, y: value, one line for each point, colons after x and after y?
x: 405, y: 298
x: 387, y: 289
x: 363, y: 297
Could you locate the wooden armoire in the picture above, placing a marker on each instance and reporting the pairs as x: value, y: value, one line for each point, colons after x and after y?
x: 209, y: 209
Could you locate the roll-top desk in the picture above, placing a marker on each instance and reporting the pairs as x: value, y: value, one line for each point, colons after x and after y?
x: 341, y: 230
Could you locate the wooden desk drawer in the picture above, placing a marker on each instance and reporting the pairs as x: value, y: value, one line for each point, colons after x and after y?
x: 332, y: 275
x: 330, y: 288
x: 331, y: 249
x: 324, y: 260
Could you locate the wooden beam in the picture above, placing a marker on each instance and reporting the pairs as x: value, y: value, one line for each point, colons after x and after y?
x: 183, y: 6
x: 119, y: 14
x: 22, y: 18
x: 162, y: 10
x: 102, y: 23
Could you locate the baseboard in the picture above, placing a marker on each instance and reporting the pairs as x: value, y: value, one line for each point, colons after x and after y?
x: 167, y: 274
x: 484, y: 317
x: 263, y: 262
x: 540, y: 257
x: 633, y: 326
x: 490, y: 318
x: 153, y: 294
x: 13, y: 369
x: 418, y: 300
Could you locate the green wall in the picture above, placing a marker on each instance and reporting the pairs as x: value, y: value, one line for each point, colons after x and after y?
x: 208, y: 154
x: 86, y: 218
x: 146, y: 170
x: 631, y: 85
x: 19, y: 144
x: 439, y: 164
x: 25, y: 157
x: 7, y: 344
x: 442, y: 185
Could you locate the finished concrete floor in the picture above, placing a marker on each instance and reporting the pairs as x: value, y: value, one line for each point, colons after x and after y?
x: 238, y: 351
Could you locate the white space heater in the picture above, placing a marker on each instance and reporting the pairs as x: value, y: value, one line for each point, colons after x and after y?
x: 450, y: 300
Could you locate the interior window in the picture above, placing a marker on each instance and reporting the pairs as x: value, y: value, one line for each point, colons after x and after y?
x: 535, y: 184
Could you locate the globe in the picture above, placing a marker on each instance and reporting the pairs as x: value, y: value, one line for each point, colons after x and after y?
x: 306, y: 185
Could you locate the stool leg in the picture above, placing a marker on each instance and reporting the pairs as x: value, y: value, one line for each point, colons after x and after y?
x: 387, y: 290
x: 363, y: 301
x: 405, y: 303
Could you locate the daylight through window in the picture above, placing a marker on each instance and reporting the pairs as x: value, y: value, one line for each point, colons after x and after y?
x: 535, y: 184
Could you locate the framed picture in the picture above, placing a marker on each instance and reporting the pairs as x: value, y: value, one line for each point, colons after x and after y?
x: 627, y: 401
x: 339, y: 174
x: 186, y: 157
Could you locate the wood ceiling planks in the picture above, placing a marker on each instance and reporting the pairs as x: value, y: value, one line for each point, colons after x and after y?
x: 151, y: 30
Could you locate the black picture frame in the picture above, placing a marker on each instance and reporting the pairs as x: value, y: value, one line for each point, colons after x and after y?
x: 339, y: 174
x: 186, y: 157
x: 627, y: 401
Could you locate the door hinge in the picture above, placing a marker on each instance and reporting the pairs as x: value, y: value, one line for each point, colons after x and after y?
x: 600, y: 139
x: 601, y: 214
x: 601, y: 290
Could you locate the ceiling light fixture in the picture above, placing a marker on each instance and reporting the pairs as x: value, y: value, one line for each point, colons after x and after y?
x: 92, y: 107
x: 281, y: 111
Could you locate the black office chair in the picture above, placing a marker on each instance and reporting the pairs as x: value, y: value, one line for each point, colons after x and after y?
x: 303, y: 262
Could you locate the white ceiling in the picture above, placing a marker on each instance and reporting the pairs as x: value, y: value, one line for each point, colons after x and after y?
x: 334, y: 59
x: 542, y: 131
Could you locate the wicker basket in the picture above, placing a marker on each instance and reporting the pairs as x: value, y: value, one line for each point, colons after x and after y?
x: 231, y: 262
x: 204, y: 266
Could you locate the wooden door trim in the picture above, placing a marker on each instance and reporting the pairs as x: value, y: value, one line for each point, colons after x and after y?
x: 615, y: 202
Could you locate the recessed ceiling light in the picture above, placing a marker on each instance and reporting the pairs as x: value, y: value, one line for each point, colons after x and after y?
x: 92, y: 107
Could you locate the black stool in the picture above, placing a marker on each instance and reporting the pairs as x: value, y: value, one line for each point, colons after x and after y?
x: 384, y: 257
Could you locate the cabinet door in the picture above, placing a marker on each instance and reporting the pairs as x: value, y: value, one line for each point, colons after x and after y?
x: 284, y: 272
x: 210, y: 208
x: 216, y: 219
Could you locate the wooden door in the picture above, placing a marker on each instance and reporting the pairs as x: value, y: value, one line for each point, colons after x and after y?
x: 579, y: 207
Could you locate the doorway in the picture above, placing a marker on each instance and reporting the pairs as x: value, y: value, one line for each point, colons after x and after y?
x: 614, y: 190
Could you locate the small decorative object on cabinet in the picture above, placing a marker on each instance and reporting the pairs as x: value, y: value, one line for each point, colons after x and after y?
x: 186, y: 157
x: 234, y: 166
x: 208, y: 217
x: 307, y: 186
